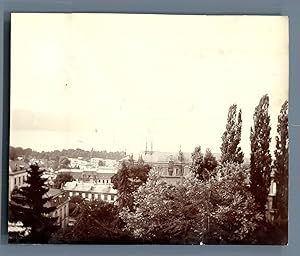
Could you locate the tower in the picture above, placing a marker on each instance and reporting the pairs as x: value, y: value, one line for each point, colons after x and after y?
x: 146, y: 151
x: 181, y: 161
x: 151, y: 152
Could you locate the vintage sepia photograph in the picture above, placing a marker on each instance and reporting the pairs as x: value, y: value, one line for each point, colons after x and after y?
x: 148, y: 129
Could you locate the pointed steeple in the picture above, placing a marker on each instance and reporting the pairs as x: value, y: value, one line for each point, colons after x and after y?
x: 181, y: 160
x: 146, y: 151
x: 151, y: 152
x: 180, y: 155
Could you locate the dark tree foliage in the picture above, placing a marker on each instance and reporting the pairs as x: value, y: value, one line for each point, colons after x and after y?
x: 61, y: 180
x: 101, y: 163
x: 260, y: 159
x: 97, y: 222
x: 210, y: 162
x: 218, y: 211
x: 230, y: 149
x: 28, y: 205
x: 127, y: 180
x: 74, y: 205
x: 281, y: 169
x: 203, y: 166
x: 64, y: 163
x: 197, y: 166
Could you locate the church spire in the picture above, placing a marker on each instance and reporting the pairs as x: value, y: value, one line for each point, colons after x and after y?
x: 146, y: 151
x: 151, y: 148
x: 180, y: 155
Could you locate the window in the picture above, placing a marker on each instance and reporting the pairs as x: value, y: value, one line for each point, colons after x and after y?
x: 112, y: 197
x: 15, y: 181
x: 19, y: 180
x: 105, y: 197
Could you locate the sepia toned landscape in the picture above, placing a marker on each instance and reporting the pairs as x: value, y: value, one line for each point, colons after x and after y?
x: 148, y: 129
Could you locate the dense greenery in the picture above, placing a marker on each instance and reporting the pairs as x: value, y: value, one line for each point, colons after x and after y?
x: 281, y: 175
x: 127, y: 180
x: 203, y: 165
x: 96, y: 222
x: 29, y: 205
x: 260, y: 159
x: 218, y: 210
x: 61, y: 179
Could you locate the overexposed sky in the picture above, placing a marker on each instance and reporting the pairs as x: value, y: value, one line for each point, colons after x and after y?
x: 109, y: 81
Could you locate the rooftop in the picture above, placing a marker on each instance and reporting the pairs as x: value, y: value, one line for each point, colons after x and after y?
x: 88, y: 187
x: 53, y: 192
x: 17, y: 166
x: 157, y: 156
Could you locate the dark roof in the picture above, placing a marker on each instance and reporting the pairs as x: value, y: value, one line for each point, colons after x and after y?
x: 18, y: 165
x: 53, y: 192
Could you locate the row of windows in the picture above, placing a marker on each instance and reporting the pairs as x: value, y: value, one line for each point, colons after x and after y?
x: 170, y: 171
x: 61, y: 213
x: 105, y: 197
x: 98, y: 180
x: 20, y: 180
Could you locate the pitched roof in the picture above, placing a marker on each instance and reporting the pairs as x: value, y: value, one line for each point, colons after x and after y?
x: 89, y: 187
x: 53, y: 192
x: 18, y: 165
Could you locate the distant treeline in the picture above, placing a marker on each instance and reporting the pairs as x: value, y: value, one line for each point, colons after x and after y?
x: 27, y: 153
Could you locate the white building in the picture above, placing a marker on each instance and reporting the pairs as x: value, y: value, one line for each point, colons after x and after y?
x: 91, y: 191
x: 17, y: 174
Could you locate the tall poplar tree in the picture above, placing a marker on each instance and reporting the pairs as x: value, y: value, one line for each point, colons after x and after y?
x: 281, y: 165
x: 230, y: 149
x: 260, y: 159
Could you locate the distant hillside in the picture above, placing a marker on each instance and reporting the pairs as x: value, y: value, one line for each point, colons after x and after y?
x: 15, y: 152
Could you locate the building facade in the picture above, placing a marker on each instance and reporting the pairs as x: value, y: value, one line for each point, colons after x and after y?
x: 172, y: 167
x: 17, y: 175
x: 61, y: 203
x: 91, y: 191
x: 101, y: 175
